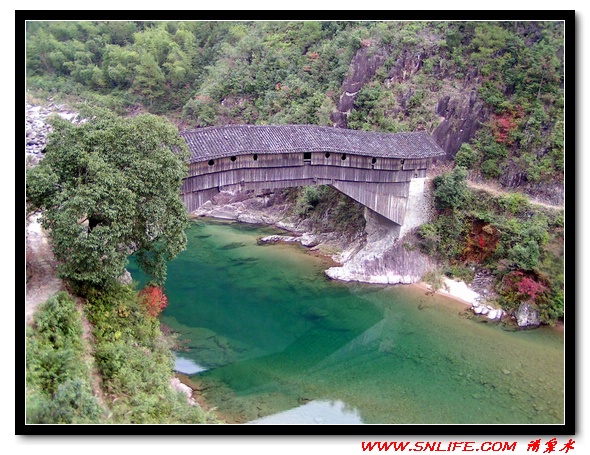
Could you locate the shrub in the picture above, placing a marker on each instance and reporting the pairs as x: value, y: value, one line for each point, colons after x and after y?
x: 72, y: 403
x: 514, y: 202
x: 57, y: 320
x: 450, y: 189
x: 525, y: 257
x: 435, y: 279
x: 153, y: 300
x: 58, y: 389
x: 466, y: 156
x: 530, y: 288
x: 429, y: 238
x: 460, y: 272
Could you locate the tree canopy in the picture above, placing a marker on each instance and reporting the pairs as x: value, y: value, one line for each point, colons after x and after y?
x: 108, y: 188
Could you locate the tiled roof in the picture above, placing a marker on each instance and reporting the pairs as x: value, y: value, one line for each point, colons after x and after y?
x: 219, y: 142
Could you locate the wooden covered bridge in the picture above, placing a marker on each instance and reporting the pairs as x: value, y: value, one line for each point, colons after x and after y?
x: 375, y: 169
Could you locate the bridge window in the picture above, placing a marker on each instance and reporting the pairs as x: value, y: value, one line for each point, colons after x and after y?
x: 343, y: 156
x: 374, y: 160
x: 233, y: 158
x: 255, y: 156
x: 307, y: 156
x: 402, y: 162
x: 327, y: 154
x: 211, y: 162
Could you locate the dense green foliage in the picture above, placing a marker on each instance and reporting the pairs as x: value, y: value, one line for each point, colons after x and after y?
x: 135, y: 361
x: 132, y: 356
x: 211, y: 73
x: 110, y: 187
x: 57, y: 375
x: 328, y: 210
x: 520, y: 243
x: 451, y: 190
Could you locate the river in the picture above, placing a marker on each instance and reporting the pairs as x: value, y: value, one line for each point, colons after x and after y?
x: 269, y: 339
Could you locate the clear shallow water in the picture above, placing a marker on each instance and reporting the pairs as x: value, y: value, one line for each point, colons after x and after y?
x: 274, y: 337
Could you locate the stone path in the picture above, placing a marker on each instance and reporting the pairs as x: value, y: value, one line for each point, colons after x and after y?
x: 41, y: 276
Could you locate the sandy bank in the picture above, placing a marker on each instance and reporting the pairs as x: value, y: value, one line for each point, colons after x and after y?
x: 456, y: 290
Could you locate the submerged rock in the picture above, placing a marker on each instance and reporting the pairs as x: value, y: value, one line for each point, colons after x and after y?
x: 278, y: 238
x: 181, y: 387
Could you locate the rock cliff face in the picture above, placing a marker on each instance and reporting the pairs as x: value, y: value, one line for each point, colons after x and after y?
x: 462, y: 116
x: 363, y: 67
x: 37, y: 129
x: 460, y: 111
x: 390, y: 261
x: 527, y: 316
x: 386, y: 258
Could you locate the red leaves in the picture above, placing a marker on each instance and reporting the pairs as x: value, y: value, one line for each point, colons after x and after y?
x: 153, y: 300
x: 530, y: 287
x: 502, y: 126
x: 527, y: 288
x: 482, y: 242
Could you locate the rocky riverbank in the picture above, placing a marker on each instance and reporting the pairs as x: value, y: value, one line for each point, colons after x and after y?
x: 37, y: 127
x: 272, y: 209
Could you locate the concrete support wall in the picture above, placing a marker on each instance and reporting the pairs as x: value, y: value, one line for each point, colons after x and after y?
x: 418, y: 206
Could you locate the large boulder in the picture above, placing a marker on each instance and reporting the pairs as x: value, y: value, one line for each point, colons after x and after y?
x: 126, y: 278
x: 527, y: 316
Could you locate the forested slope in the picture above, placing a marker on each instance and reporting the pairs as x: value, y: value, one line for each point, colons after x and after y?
x: 491, y: 90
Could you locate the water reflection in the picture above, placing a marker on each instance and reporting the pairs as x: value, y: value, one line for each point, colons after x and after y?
x: 314, y: 412
x: 187, y: 366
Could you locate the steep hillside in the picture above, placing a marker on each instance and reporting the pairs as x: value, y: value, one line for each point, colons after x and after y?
x: 490, y: 91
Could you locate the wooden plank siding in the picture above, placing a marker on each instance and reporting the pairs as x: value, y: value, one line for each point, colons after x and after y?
x: 193, y: 200
x: 297, y: 159
x: 373, y: 168
x: 387, y: 199
x: 245, y: 161
x: 327, y: 173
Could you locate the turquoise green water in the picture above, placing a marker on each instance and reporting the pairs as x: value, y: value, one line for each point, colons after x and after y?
x: 272, y: 334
